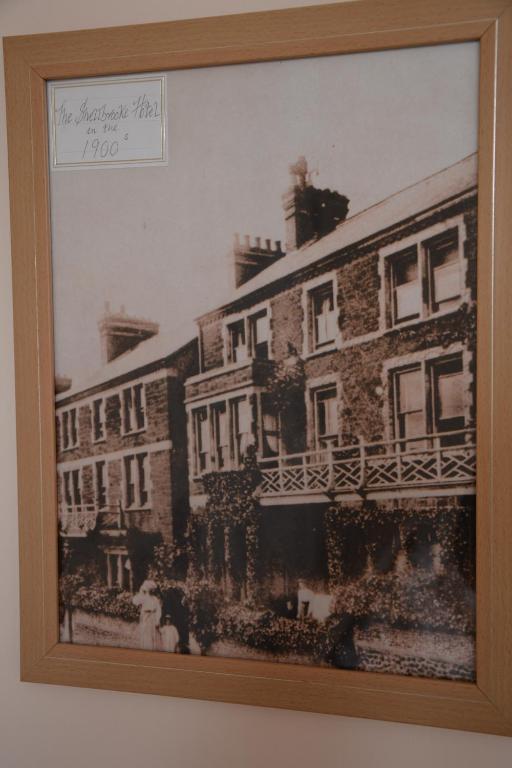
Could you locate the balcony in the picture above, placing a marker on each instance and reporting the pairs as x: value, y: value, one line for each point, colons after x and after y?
x: 249, y: 372
x: 76, y: 521
x: 435, y: 464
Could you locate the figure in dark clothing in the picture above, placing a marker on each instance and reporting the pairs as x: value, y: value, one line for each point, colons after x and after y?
x: 342, y: 652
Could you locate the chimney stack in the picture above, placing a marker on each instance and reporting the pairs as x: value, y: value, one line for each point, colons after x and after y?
x: 121, y: 333
x: 62, y: 384
x: 310, y: 213
x: 252, y: 259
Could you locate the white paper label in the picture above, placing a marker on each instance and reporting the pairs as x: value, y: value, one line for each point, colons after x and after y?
x: 113, y: 122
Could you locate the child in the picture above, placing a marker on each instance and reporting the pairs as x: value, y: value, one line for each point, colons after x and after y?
x: 169, y: 635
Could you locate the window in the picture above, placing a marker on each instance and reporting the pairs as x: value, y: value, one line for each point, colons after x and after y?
x: 98, y: 420
x: 326, y: 417
x: 323, y: 315
x: 240, y: 428
x: 69, y: 429
x: 237, y: 347
x: 135, y: 480
x: 221, y: 435
x: 258, y: 335
x: 270, y: 428
x: 72, y: 491
x: 444, y: 271
x: 100, y: 482
x: 134, y: 410
x: 448, y: 398
x: 410, y: 403
x: 248, y: 337
x: 119, y: 569
x: 426, y: 278
x: 201, y: 440
x: 406, y: 286
x: 434, y: 409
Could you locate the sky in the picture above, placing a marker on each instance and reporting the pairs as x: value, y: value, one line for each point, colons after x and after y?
x: 158, y: 239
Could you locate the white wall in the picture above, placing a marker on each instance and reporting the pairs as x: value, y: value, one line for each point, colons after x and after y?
x: 50, y: 727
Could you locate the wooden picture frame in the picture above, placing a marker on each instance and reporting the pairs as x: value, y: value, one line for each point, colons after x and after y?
x: 313, y: 31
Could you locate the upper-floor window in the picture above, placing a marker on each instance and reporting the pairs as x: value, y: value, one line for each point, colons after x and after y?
x: 136, y: 480
x: 134, y: 408
x: 429, y: 399
x: 258, y: 335
x: 425, y: 278
x: 248, y: 337
x: 444, y: 270
x: 237, y: 346
x: 201, y: 440
x: 100, y: 484
x: 410, y: 402
x: 323, y: 315
x: 222, y: 434
x: 326, y: 417
x: 240, y: 428
x: 269, y: 427
x: 98, y: 420
x: 448, y: 392
x: 406, y: 286
x: 69, y: 428
x: 72, y: 487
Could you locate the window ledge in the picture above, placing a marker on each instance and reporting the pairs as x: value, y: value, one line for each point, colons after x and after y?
x: 334, y: 347
x: 133, y: 432
x: 426, y: 318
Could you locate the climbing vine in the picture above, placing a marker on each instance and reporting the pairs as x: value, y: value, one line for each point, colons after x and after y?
x: 230, y: 495
x: 285, y: 382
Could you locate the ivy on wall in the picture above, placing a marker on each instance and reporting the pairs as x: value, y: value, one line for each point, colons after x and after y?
x: 285, y: 383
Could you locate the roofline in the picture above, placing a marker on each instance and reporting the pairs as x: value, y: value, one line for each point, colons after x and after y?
x: 164, y: 362
x: 339, y: 229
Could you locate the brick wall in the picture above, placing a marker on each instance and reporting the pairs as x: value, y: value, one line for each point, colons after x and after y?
x: 358, y: 296
x: 157, y: 424
x: 286, y: 322
x: 212, y: 344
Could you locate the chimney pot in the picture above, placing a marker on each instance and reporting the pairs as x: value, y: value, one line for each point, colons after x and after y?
x: 267, y: 244
x: 247, y: 241
x: 310, y: 213
x: 258, y: 243
x: 121, y: 333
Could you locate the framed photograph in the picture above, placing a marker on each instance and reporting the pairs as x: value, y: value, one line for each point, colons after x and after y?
x: 262, y: 286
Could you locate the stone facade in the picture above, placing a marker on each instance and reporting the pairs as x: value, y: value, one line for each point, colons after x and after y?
x: 339, y: 318
x: 122, y: 465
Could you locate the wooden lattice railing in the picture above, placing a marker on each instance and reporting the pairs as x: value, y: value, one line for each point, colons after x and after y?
x: 442, y: 460
x: 76, y: 520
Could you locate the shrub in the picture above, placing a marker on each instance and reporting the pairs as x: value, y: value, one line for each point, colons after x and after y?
x: 417, y: 601
x: 204, y: 602
x: 276, y: 634
x: 110, y: 602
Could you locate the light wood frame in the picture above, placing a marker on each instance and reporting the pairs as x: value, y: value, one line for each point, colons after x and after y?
x: 329, y: 29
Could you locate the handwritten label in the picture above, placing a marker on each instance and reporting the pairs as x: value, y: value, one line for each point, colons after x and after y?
x: 108, y: 122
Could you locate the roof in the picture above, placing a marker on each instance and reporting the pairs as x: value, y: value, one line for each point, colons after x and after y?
x: 411, y: 201
x: 425, y: 194
x: 157, y: 348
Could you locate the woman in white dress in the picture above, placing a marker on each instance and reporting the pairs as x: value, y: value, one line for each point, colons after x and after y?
x: 150, y: 615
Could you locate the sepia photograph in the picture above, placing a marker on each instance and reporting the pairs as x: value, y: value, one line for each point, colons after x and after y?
x: 265, y: 358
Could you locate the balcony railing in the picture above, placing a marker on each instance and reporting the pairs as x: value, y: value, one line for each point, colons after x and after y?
x: 439, y: 460
x: 77, y: 520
